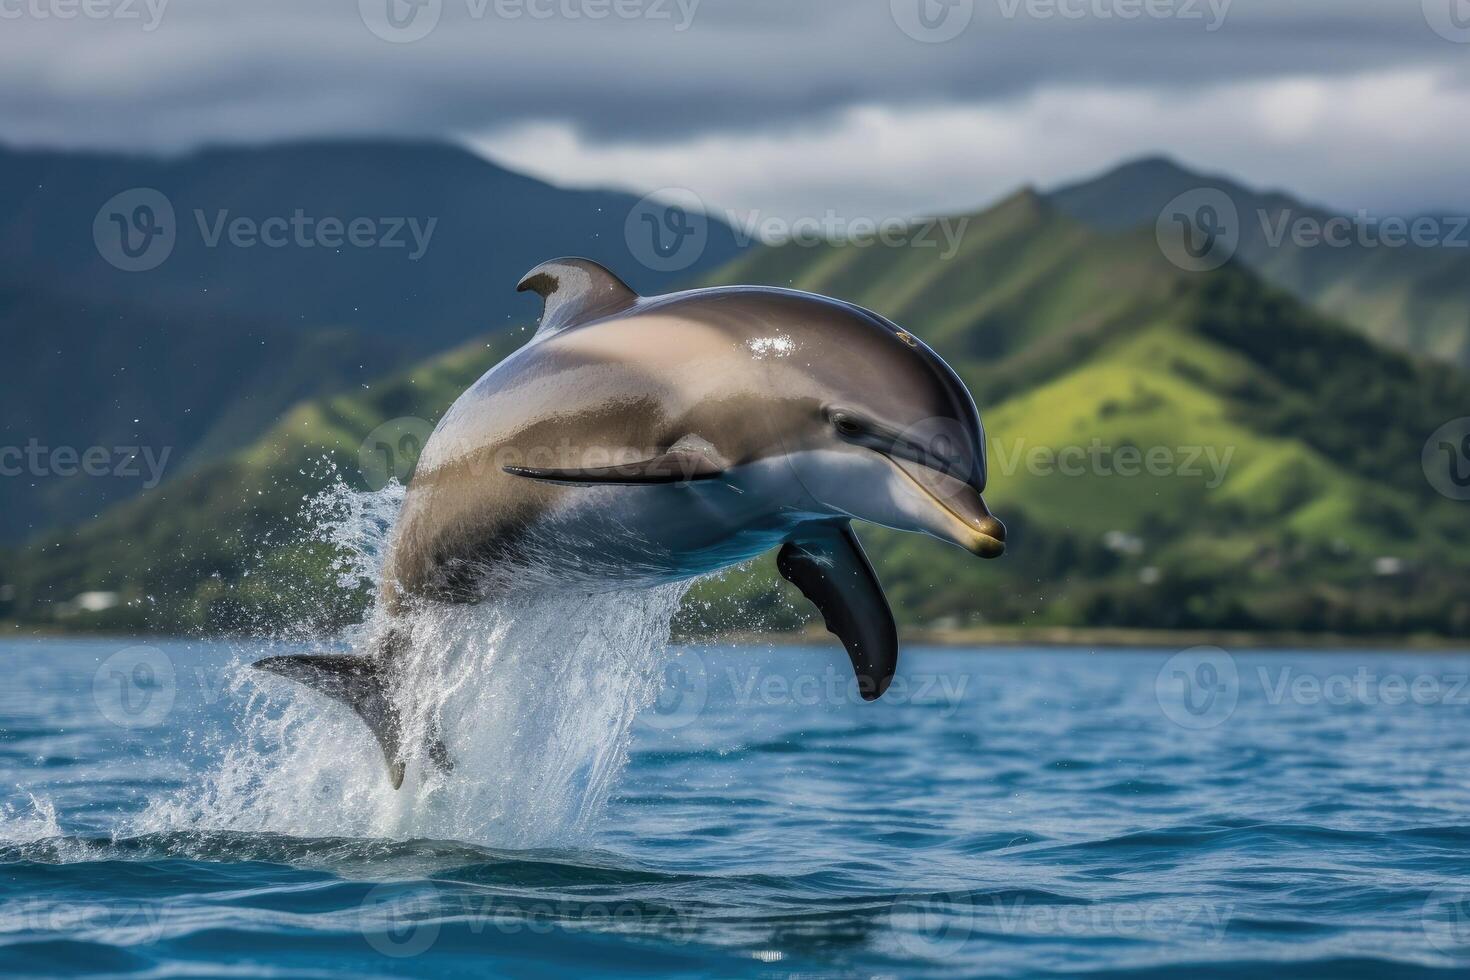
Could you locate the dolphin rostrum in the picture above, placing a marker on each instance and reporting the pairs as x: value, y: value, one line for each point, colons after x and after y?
x: 643, y: 440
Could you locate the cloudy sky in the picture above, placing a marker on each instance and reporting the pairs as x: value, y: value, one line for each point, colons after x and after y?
x: 787, y: 107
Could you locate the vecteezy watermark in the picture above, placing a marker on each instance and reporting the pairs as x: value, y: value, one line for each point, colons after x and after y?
x: 937, y: 21
x: 944, y: 234
x: 400, y: 21
x: 1445, y: 919
x: 406, y: 21
x: 1363, y: 686
x: 1210, y: 13
x: 668, y: 230
x: 685, y: 685
x: 755, y: 687
x: 391, y: 451
x: 1446, y: 459
x: 302, y: 230
x: 1097, y: 458
x: 404, y: 920
x: 937, y: 925
x: 140, y: 686
x: 126, y: 462
x: 135, y: 687
x: 1202, y: 229
x: 132, y: 923
x: 399, y: 923
x: 933, y: 925
x: 1201, y: 687
x: 1450, y: 19
x: 1199, y: 230
x: 932, y: 21
x: 137, y: 230
x: 1363, y: 230
x: 1198, y: 688
x: 148, y: 13
x: 683, y: 692
x: 1204, y: 923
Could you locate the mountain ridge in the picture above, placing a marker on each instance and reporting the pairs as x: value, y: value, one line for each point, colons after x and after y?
x: 1408, y: 296
x: 1316, y: 514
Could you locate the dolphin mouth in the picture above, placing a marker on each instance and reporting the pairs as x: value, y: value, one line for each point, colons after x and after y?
x: 967, y: 523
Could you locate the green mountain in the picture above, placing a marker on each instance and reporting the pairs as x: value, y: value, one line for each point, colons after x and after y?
x: 154, y: 394
x: 1168, y: 450
x: 1366, y: 274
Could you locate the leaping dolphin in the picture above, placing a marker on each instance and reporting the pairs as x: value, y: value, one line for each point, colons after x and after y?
x: 643, y: 440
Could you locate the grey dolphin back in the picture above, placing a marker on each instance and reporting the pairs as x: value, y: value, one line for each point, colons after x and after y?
x: 575, y: 291
x: 827, y: 564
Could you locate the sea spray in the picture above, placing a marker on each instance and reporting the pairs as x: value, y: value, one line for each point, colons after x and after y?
x: 534, y: 697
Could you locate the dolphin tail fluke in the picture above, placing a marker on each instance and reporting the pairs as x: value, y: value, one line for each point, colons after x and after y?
x: 358, y: 683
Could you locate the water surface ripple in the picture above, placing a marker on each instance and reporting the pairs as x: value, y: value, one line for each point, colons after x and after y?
x: 1010, y: 812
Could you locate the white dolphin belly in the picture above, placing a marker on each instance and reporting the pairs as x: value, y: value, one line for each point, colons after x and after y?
x: 644, y: 534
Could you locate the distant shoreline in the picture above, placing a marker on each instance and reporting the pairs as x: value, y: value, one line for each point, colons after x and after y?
x: 1117, y: 637
x: 987, y: 636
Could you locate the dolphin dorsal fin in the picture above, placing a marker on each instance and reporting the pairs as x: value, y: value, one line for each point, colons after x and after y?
x: 576, y: 291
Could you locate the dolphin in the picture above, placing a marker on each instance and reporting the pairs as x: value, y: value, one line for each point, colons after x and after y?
x: 644, y: 440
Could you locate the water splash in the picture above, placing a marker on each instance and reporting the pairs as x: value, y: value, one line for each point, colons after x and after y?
x: 20, y: 825
x: 534, y: 698
x: 356, y: 525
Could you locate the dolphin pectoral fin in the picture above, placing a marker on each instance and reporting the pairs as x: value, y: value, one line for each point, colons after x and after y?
x: 828, y: 565
x: 680, y: 464
x: 357, y: 682
x: 575, y: 291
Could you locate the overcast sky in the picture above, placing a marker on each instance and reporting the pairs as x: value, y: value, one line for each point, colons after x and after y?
x: 789, y: 107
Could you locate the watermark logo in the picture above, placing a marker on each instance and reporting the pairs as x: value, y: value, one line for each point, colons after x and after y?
x: 406, y: 21
x: 932, y: 21
x: 682, y: 695
x: 933, y: 925
x: 401, y: 21
x: 841, y: 686
x: 135, y: 688
x: 400, y: 925
x: 667, y: 231
x: 1209, y: 464
x: 1446, y: 920
x: 1199, y: 230
x: 945, y: 235
x: 1363, y: 230
x: 123, y: 462
x: 135, y: 230
x: 1211, y: 13
x: 133, y: 923
x: 1198, y: 688
x: 301, y: 230
x: 391, y: 451
x: 148, y: 12
x: 1446, y: 459
x: 1450, y: 19
x: 1363, y: 687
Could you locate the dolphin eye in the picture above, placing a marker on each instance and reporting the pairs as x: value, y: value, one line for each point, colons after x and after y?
x: 846, y: 424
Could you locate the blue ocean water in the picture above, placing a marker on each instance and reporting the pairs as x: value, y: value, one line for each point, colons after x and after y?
x: 1006, y: 812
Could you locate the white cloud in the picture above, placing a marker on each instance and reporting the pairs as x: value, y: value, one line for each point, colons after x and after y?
x: 788, y: 106
x: 1330, y: 140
